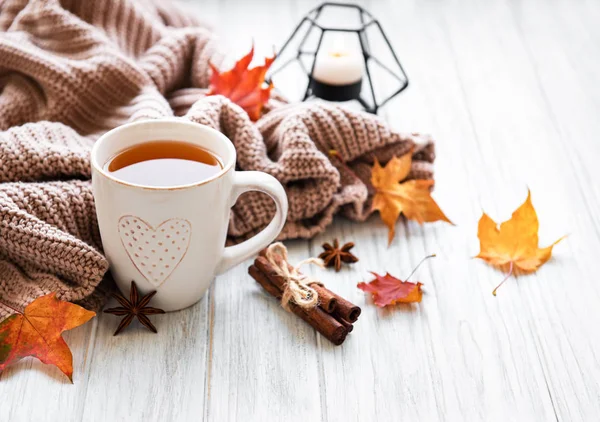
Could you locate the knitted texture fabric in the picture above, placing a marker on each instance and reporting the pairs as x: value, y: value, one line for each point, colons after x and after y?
x: 70, y: 70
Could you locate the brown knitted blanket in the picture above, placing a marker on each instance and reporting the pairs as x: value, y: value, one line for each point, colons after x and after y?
x: 70, y: 70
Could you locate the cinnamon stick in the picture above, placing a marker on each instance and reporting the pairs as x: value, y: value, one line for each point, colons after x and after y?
x: 327, y: 299
x: 256, y: 274
x: 346, y: 324
x: 324, y: 323
x: 269, y: 270
x: 346, y: 309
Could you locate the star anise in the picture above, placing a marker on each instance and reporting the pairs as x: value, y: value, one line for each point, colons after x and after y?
x: 134, y: 307
x: 333, y: 256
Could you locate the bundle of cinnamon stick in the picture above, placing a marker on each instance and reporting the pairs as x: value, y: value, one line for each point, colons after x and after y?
x: 334, y: 315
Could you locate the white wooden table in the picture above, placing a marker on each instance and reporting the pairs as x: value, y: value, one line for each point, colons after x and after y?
x: 511, y: 92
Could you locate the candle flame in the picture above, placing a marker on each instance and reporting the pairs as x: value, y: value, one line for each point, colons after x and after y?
x: 338, y: 54
x: 338, y: 47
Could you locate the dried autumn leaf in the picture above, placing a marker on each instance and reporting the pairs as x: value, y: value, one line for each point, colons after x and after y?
x: 37, y: 332
x: 245, y: 87
x: 411, y: 198
x: 514, y: 243
x: 389, y: 290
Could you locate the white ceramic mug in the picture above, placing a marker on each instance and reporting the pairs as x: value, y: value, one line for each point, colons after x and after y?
x: 172, y: 239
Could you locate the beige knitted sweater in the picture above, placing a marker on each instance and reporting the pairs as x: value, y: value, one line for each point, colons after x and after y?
x: 70, y: 70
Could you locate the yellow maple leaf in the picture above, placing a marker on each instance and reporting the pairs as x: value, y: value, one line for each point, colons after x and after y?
x: 411, y: 198
x: 514, y: 244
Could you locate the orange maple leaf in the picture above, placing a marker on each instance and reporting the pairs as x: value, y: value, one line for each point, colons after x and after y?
x: 37, y: 332
x: 514, y: 243
x: 411, y: 198
x: 389, y: 290
x: 245, y: 87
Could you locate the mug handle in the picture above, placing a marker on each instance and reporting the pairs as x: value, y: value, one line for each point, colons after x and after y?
x: 245, y: 181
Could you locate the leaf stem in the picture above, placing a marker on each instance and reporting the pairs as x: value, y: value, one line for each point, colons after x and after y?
x: 510, y: 272
x: 418, y: 265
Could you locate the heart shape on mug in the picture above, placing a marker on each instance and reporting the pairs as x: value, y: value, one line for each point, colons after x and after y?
x: 155, y: 252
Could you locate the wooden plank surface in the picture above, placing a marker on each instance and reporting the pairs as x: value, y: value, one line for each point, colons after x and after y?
x: 32, y: 391
x: 139, y: 375
x: 510, y: 90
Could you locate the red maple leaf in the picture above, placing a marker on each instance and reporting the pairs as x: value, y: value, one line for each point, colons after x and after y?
x: 245, y: 87
x: 389, y: 290
x: 37, y: 332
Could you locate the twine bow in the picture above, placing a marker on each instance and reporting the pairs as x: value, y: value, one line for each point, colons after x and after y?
x: 297, y: 285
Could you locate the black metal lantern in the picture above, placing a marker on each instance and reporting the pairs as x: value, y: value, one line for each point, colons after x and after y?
x: 337, y: 78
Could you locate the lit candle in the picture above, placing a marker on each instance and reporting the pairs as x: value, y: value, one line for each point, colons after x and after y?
x: 337, y: 74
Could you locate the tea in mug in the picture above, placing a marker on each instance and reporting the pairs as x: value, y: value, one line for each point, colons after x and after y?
x: 164, y: 164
